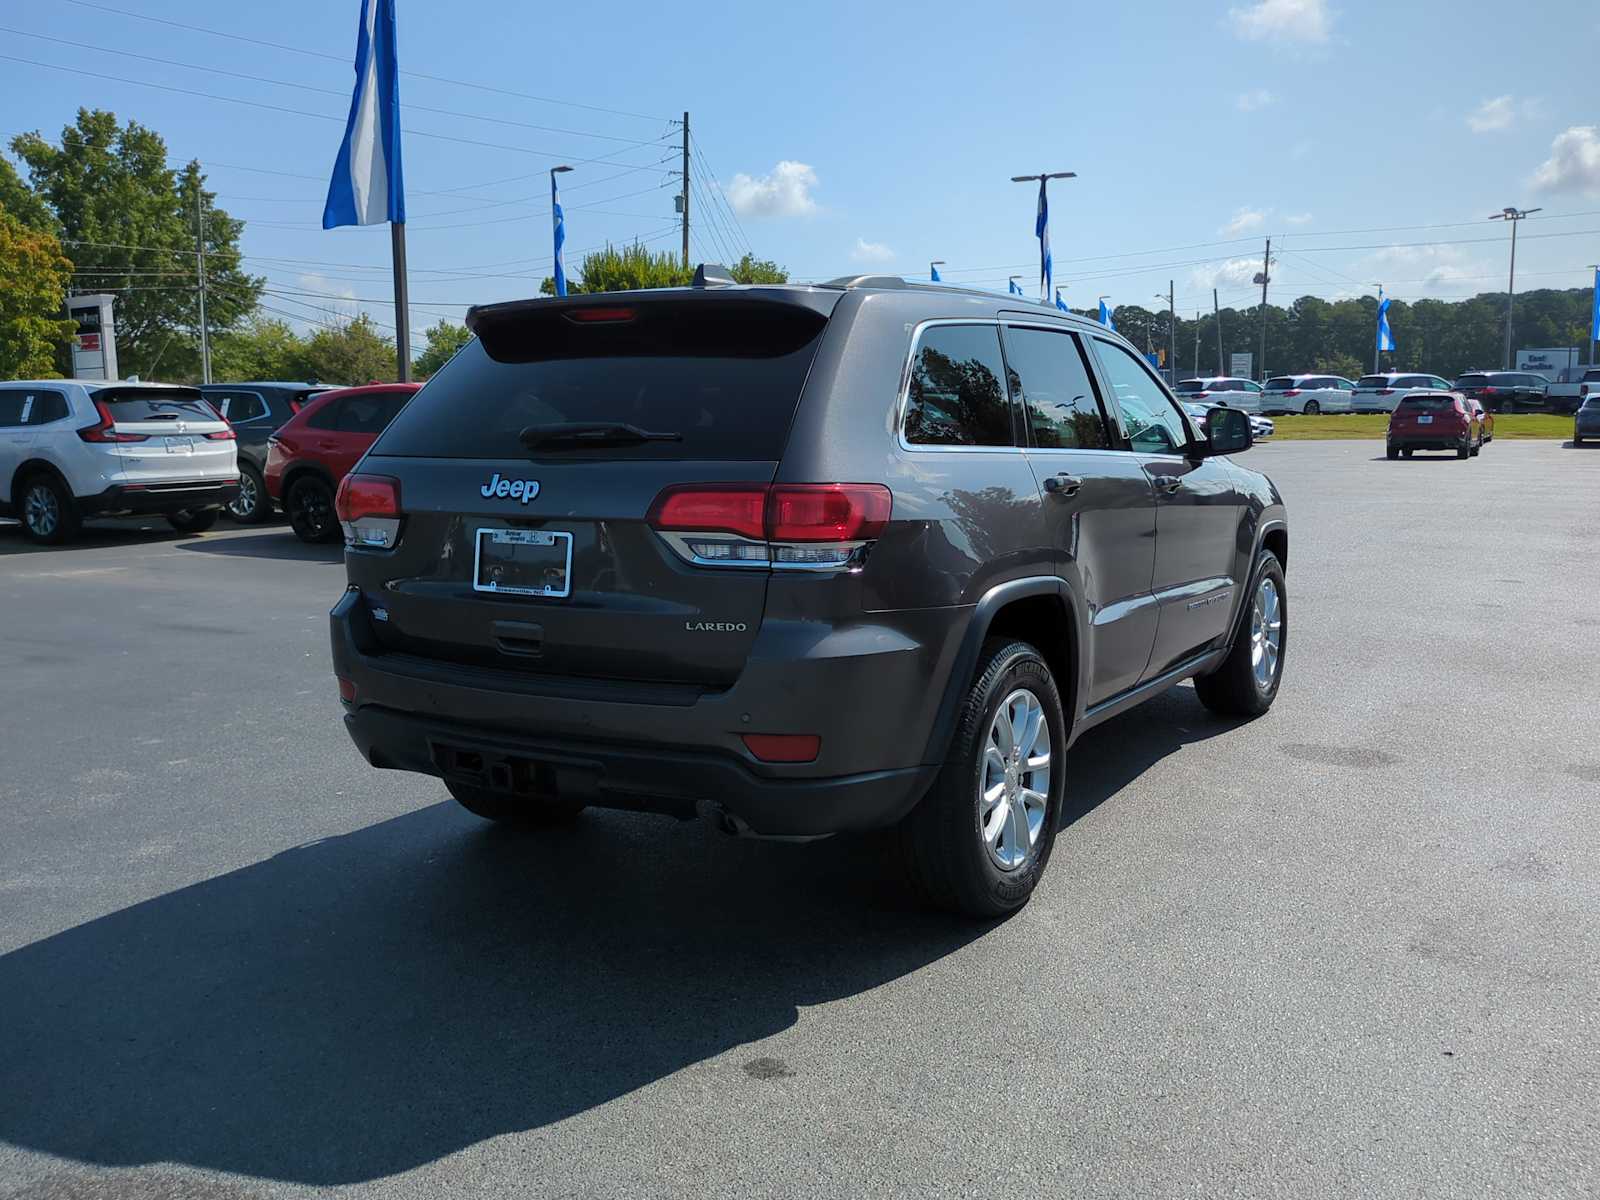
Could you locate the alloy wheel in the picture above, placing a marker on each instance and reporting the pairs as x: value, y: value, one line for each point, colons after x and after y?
x: 1266, y: 633
x: 1014, y: 783
x: 41, y: 510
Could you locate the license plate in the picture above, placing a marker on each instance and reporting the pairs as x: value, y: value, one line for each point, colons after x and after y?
x: 180, y: 445
x: 1424, y: 420
x: 523, y: 562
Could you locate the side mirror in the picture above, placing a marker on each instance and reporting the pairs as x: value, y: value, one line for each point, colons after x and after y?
x: 1227, y: 432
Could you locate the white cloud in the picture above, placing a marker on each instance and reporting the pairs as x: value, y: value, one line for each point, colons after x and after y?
x: 1492, y: 115
x: 784, y: 193
x: 1298, y: 219
x: 1235, y: 273
x: 1243, y: 221
x: 1283, y: 21
x: 328, y: 293
x: 1574, y: 162
x: 871, y: 252
x: 1251, y: 101
x: 1423, y: 269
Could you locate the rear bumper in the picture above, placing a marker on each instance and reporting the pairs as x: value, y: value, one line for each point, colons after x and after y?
x: 621, y: 748
x: 165, y: 497
x: 1428, y: 442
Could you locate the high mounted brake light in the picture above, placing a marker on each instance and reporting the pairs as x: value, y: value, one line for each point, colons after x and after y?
x: 609, y: 314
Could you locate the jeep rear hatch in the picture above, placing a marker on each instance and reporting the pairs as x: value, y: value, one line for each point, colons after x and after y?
x: 528, y: 469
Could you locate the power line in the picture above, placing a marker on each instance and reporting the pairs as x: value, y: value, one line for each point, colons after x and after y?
x: 338, y: 58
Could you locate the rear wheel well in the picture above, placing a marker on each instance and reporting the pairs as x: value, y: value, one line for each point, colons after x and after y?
x: 1045, y: 622
x: 296, y: 474
x: 36, y: 466
x: 1277, y: 540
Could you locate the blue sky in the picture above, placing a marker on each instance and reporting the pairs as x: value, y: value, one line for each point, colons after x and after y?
x: 1369, y: 139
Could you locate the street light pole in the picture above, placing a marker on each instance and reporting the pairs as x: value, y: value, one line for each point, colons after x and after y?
x: 1042, y: 227
x: 1595, y: 300
x: 1511, y: 215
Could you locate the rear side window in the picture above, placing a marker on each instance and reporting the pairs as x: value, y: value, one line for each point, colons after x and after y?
x: 47, y: 407
x: 723, y: 374
x: 1373, y: 381
x: 1412, y: 381
x: 1283, y: 383
x: 1591, y: 377
x: 326, y: 417
x: 955, y: 397
x: 239, y: 406
x: 11, y: 405
x: 370, y: 413
x: 1049, y: 374
x: 1472, y: 381
x: 1189, y: 386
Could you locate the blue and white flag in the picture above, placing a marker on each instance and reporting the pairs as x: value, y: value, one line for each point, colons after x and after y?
x: 558, y: 218
x: 1385, y: 336
x: 934, y: 271
x: 1041, y: 230
x: 1594, y: 325
x: 1011, y: 286
x: 367, y: 187
x: 1060, y: 303
x: 1105, y: 317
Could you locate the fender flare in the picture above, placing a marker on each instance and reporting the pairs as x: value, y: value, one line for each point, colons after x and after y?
x: 1275, y: 520
x: 965, y: 662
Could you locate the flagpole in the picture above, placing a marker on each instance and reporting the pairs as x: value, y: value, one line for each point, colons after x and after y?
x: 1377, y: 334
x: 402, y: 303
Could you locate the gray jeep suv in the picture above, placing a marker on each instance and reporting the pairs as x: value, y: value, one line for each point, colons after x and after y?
x: 801, y: 560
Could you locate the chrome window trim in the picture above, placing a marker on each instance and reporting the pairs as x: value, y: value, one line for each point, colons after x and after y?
x: 904, y: 400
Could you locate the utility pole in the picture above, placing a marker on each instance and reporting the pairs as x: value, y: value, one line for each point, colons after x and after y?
x: 1266, y: 270
x: 200, y: 262
x: 1595, y: 299
x: 686, y: 189
x: 1172, y: 330
x: 1511, y: 216
x: 1197, y: 341
x: 1377, y: 342
x: 1217, y: 312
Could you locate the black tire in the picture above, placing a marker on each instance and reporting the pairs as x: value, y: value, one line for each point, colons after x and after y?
x: 1392, y: 452
x: 1232, y: 689
x: 1464, y: 450
x: 520, y: 812
x: 1477, y: 448
x: 310, y: 508
x: 1312, y: 409
x: 1577, y: 439
x: 942, y: 845
x: 1407, y: 453
x: 194, y: 522
x: 253, y: 505
x: 47, y: 511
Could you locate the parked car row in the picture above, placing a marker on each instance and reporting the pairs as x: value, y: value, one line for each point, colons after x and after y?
x: 72, y: 449
x: 1312, y: 394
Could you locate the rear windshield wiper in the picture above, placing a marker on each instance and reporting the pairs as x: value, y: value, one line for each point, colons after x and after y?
x: 582, y: 434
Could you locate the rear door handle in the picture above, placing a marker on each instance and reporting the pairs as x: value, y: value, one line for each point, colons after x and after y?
x: 1167, y: 483
x: 1063, y: 485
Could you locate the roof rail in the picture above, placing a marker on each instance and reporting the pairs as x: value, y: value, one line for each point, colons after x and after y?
x: 713, y: 275
x: 867, y: 281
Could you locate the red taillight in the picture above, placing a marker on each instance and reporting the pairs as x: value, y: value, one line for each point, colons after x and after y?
x: 223, y: 435
x: 1292, y: 392
x: 1385, y: 391
x: 827, y: 512
x: 102, y: 431
x: 1200, y: 395
x: 367, y: 496
x: 1487, y: 391
x: 347, y: 689
x: 600, y: 316
x: 708, y: 508
x: 783, y: 747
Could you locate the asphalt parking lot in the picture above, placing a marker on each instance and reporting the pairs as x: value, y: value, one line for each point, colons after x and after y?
x: 1352, y: 948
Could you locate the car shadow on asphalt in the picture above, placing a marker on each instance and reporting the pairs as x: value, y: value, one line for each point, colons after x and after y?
x: 366, y: 1003
x: 93, y: 536
x: 270, y: 543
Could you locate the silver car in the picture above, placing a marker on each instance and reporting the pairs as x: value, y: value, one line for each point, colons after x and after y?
x: 1586, y: 421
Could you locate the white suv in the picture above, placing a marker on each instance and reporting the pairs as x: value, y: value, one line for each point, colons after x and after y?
x: 1309, y: 394
x: 71, y: 449
x: 1380, y: 393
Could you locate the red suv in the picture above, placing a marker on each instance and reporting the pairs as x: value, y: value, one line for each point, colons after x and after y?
x: 316, y: 448
x: 1435, y: 421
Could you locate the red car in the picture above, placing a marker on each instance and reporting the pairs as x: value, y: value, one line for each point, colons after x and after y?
x: 1435, y: 421
x: 317, y: 447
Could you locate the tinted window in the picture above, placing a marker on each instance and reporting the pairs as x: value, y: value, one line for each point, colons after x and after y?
x: 1049, y: 374
x: 370, y: 413
x: 1373, y: 381
x: 1191, y: 385
x: 955, y: 397
x: 140, y: 404
x: 1591, y: 377
x: 1245, y: 385
x: 1153, y: 424
x: 11, y: 404
x: 1282, y: 383
x: 47, y: 407
x: 238, y: 406
x: 326, y: 417
x: 725, y: 374
x: 1413, y: 381
x: 1472, y: 381
x: 1425, y: 404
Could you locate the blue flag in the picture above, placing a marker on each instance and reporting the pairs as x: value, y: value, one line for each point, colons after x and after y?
x: 1060, y: 303
x: 1594, y: 325
x: 560, y: 222
x: 367, y: 187
x: 1011, y: 285
x: 935, y: 272
x: 1041, y: 230
x: 1105, y: 317
x: 1385, y: 336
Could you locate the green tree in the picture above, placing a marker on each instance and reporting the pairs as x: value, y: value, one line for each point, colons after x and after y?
x: 17, y: 198
x: 633, y: 267
x: 351, y: 353
x: 751, y: 269
x: 129, y: 221
x: 444, y: 339
x: 34, y: 275
x: 261, y: 348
